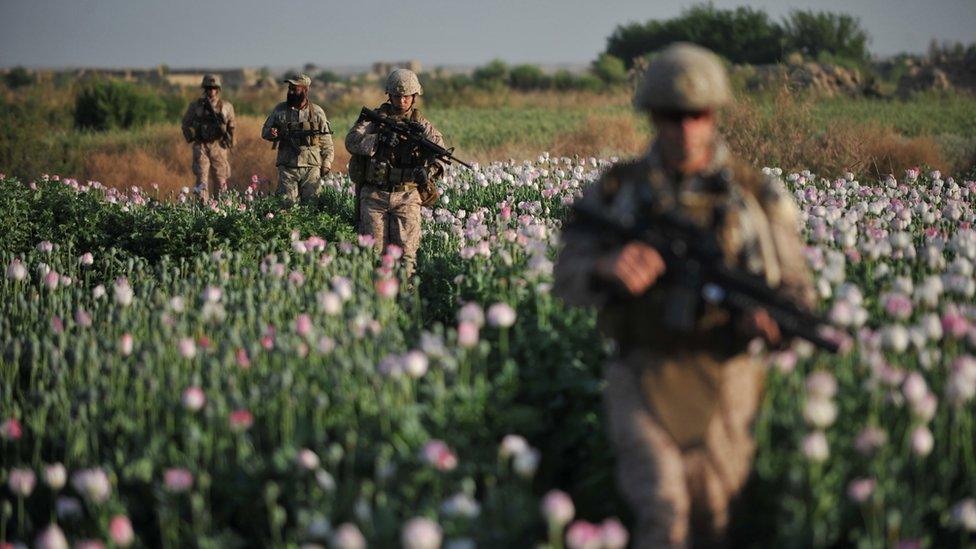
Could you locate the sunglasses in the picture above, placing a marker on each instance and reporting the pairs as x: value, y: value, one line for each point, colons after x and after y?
x: 679, y: 116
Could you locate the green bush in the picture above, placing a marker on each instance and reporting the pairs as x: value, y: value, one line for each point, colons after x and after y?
x: 110, y: 104
x: 491, y: 76
x: 528, y: 77
x: 746, y: 35
x: 826, y: 35
x: 610, y: 69
x: 18, y: 77
x: 742, y: 35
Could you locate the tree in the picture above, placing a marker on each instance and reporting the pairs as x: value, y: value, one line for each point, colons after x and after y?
x: 611, y: 70
x: 527, y: 77
x: 742, y: 35
x: 328, y: 77
x: 817, y: 33
x: 109, y: 104
x: 18, y: 77
x: 492, y: 75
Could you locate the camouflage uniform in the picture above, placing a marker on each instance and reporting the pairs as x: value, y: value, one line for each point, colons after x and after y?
x: 680, y: 404
x: 390, y: 203
x: 301, y: 162
x: 212, y: 136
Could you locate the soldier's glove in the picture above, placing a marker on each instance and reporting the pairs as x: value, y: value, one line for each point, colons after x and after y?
x: 415, y: 127
x: 388, y: 139
x: 420, y: 177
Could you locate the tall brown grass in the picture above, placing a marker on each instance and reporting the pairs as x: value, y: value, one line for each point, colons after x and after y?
x: 789, y: 136
x: 165, y: 159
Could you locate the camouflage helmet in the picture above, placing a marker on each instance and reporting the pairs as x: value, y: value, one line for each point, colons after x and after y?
x: 403, y: 82
x: 684, y: 77
x: 298, y: 79
x: 210, y: 81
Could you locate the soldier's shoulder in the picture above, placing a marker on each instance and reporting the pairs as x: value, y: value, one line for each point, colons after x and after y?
x: 765, y: 185
x: 317, y: 109
x: 418, y: 116
x: 618, y: 175
x: 745, y: 175
x: 280, y: 106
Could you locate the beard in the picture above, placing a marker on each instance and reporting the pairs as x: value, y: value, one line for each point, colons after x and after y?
x: 295, y: 99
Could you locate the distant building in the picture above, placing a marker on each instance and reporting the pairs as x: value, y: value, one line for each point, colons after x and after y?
x: 381, y: 69
x: 232, y: 78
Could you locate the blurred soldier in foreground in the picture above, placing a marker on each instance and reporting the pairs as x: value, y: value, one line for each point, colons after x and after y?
x: 209, y: 124
x: 682, y: 388
x: 301, y: 133
x: 393, y: 172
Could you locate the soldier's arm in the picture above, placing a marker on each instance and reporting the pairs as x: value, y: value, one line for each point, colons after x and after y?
x: 187, y: 123
x: 361, y: 139
x: 231, y: 120
x: 326, y: 146
x: 430, y: 132
x: 575, y: 275
x: 784, y: 224
x: 266, y: 129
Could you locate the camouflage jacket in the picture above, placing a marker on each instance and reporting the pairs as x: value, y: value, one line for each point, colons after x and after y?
x: 202, y: 127
x: 361, y: 139
x: 304, y: 152
x: 757, y: 230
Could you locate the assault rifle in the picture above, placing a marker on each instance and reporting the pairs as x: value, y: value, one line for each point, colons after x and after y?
x: 218, y: 121
x: 413, y: 132
x: 698, y: 274
x: 293, y: 132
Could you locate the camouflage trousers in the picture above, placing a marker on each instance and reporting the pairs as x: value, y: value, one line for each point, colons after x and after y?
x: 211, y: 165
x: 392, y: 218
x: 681, y: 496
x: 301, y: 182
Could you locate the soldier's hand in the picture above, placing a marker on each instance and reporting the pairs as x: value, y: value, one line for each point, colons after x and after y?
x: 389, y: 138
x: 758, y: 322
x: 636, y: 267
x: 274, y: 132
x: 420, y: 176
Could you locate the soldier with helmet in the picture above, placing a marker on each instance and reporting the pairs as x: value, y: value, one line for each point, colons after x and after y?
x: 300, y: 131
x: 680, y: 400
x: 387, y: 170
x: 209, y: 125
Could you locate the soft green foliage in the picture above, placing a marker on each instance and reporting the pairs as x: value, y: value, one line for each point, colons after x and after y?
x: 813, y: 33
x: 742, y: 35
x: 224, y: 314
x: 747, y: 35
x: 328, y: 77
x: 610, y: 69
x: 110, y: 104
x: 491, y: 76
x: 18, y: 77
x: 528, y: 77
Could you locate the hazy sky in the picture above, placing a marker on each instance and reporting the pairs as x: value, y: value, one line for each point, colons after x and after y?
x: 281, y: 33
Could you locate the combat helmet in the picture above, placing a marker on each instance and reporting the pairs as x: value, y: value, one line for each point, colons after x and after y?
x: 684, y: 77
x: 403, y: 82
x: 210, y: 81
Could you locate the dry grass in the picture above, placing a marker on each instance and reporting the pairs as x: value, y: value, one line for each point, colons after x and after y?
x: 165, y: 159
x: 791, y: 137
x: 619, y: 134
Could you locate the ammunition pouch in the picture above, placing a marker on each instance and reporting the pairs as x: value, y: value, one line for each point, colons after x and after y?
x: 206, y: 132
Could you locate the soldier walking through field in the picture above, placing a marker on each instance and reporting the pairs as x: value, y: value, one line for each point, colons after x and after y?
x: 681, y: 395
x: 394, y: 176
x: 209, y: 124
x: 300, y: 131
